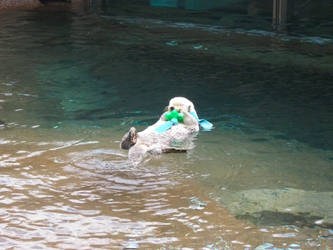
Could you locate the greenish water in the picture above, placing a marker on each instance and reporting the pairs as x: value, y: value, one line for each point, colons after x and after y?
x: 72, y: 82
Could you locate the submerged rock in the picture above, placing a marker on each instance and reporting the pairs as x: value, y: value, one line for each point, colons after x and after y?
x: 281, y: 206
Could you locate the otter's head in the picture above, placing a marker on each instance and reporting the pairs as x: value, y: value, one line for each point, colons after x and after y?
x: 181, y: 104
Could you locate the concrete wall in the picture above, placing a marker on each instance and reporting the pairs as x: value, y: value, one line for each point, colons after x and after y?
x: 6, y: 4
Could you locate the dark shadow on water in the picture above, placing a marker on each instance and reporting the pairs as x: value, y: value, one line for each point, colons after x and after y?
x: 280, y: 137
x: 269, y: 218
x: 259, y: 140
x: 312, y: 18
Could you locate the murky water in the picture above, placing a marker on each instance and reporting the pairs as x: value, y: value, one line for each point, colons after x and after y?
x: 73, y: 82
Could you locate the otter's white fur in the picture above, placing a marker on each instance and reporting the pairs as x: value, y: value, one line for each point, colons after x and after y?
x: 178, y: 138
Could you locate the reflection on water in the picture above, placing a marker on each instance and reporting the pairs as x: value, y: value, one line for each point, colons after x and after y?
x: 60, y: 191
x: 73, y: 83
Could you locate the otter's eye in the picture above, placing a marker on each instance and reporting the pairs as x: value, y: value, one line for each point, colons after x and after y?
x: 189, y: 109
x: 172, y: 108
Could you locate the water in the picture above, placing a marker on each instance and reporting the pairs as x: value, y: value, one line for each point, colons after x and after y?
x: 72, y: 82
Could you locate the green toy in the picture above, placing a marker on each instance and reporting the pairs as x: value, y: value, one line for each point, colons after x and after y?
x: 174, y: 117
x: 174, y: 114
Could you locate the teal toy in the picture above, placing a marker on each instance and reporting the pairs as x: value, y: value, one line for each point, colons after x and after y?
x: 173, y: 118
x: 204, y: 124
x: 174, y: 114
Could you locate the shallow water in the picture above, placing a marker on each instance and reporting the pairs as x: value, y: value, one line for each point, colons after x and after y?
x: 73, y: 82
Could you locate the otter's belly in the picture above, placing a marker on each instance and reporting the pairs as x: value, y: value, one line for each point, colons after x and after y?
x: 178, y: 137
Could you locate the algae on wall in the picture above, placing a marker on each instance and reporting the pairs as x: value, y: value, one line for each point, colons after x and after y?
x: 6, y: 4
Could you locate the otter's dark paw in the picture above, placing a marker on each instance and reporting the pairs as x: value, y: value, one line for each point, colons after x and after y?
x: 129, y: 139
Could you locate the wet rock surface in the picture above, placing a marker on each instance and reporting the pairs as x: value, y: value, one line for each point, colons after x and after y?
x: 281, y: 206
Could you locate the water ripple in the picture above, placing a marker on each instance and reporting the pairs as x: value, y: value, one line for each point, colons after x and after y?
x: 65, y: 184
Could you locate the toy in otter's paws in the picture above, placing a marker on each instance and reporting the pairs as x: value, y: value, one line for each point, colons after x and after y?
x: 173, y: 132
x: 174, y: 114
x: 173, y: 118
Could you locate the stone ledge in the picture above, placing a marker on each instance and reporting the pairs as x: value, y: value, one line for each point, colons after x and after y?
x: 285, y: 205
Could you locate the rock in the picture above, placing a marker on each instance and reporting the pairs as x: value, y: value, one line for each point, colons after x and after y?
x: 281, y: 206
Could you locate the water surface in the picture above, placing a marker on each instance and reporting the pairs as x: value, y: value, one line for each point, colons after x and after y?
x: 73, y: 82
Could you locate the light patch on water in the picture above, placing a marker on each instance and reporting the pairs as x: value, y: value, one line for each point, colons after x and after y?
x: 27, y: 95
x: 86, y: 143
x: 287, y: 235
x: 66, y: 145
x: 4, y: 141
